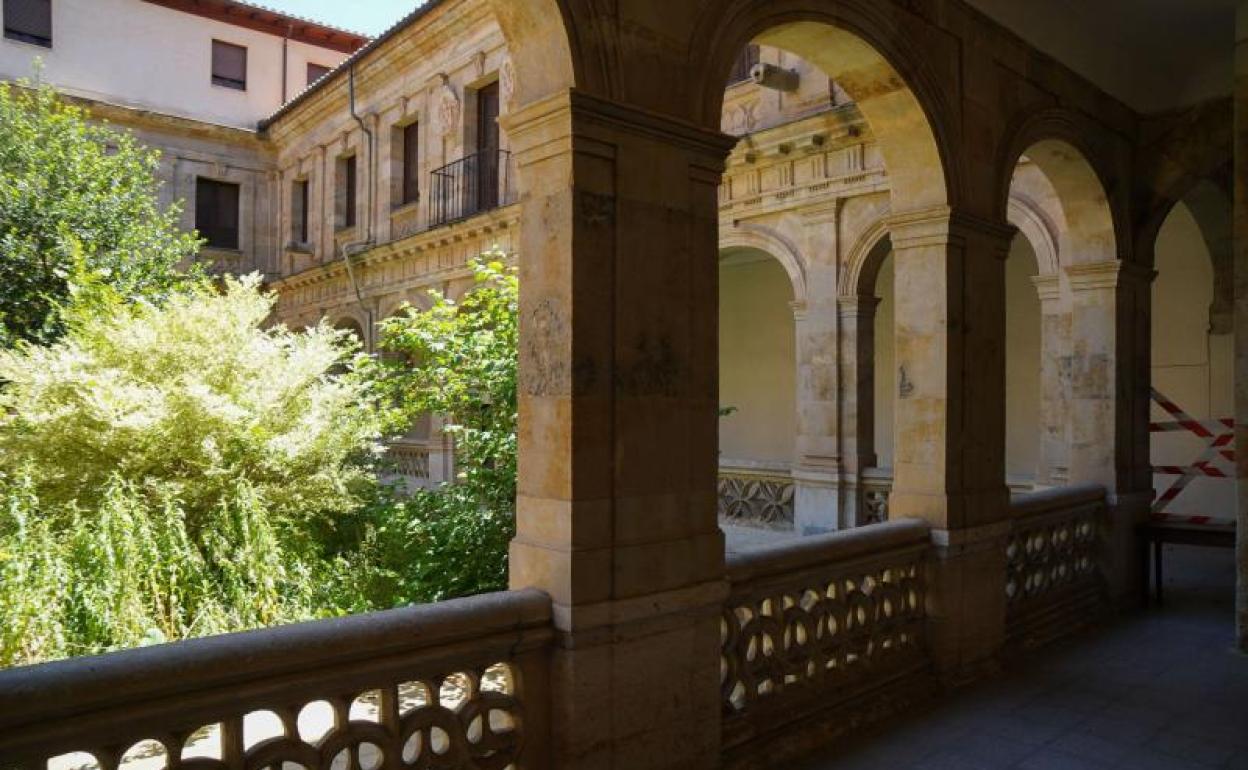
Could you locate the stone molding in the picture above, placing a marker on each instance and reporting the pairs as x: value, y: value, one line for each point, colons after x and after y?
x: 1110, y: 274
x: 1048, y: 288
x: 861, y: 307
x: 941, y: 225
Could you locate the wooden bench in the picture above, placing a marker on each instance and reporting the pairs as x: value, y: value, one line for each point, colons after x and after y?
x: 1179, y: 529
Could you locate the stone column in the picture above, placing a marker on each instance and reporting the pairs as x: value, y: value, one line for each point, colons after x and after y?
x: 1111, y: 337
x: 618, y: 427
x: 1054, y: 470
x: 950, y: 422
x: 816, y: 471
x: 1241, y: 315
x: 857, y: 360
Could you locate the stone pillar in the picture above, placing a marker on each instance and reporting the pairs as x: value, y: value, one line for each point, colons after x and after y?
x: 618, y: 427
x: 950, y: 422
x: 1241, y: 315
x: 1054, y: 470
x: 816, y: 470
x: 1111, y: 338
x: 857, y: 360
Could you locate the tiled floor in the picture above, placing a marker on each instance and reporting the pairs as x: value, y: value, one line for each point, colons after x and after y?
x: 1158, y: 691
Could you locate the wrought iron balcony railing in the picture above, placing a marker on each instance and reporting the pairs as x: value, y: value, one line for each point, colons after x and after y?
x: 471, y: 185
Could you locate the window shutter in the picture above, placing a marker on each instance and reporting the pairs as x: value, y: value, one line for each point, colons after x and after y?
x: 216, y: 212
x: 29, y: 21
x: 229, y: 65
x: 349, y: 181
x: 411, y: 163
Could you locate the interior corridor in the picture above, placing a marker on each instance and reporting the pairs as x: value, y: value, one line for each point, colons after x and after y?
x: 1156, y: 690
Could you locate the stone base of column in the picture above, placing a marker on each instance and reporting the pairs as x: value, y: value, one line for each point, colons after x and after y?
x: 966, y: 600
x: 816, y: 502
x: 636, y: 683
x: 1125, y: 558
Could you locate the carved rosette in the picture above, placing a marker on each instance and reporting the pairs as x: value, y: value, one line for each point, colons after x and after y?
x: 752, y: 500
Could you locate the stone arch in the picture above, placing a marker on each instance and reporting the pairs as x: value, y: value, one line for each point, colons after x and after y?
x: 862, y: 266
x: 1058, y: 144
x: 1039, y: 230
x: 351, y: 323
x: 865, y: 48
x: 765, y: 239
x: 542, y: 50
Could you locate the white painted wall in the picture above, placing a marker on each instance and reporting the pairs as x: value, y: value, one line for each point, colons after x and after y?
x: 137, y: 54
x: 1190, y: 366
x: 758, y: 361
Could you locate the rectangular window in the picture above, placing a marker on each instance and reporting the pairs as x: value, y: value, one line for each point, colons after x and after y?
x: 229, y: 65
x: 216, y: 212
x: 316, y: 72
x: 347, y: 193
x: 29, y: 21
x: 299, y: 201
x: 411, y: 163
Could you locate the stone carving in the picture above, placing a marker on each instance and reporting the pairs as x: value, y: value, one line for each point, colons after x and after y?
x: 1048, y: 555
x: 507, y: 83
x: 832, y: 630
x: 756, y: 500
x: 875, y: 504
x: 447, y: 109
x: 410, y: 461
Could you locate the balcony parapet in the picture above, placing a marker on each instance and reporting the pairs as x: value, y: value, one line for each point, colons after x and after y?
x: 821, y: 635
x: 487, y: 652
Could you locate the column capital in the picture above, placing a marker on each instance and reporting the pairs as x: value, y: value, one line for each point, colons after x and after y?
x: 942, y: 224
x: 1048, y: 287
x: 861, y: 306
x: 799, y: 310
x: 1109, y: 274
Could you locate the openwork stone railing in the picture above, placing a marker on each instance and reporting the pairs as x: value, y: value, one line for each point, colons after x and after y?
x: 1054, y: 574
x: 410, y: 461
x: 816, y: 625
x: 454, y: 685
x: 756, y: 497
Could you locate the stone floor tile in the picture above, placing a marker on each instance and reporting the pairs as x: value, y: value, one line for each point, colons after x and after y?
x: 1052, y: 759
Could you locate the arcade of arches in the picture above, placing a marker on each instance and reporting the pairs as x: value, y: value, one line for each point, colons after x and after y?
x: 948, y: 318
x: 949, y: 282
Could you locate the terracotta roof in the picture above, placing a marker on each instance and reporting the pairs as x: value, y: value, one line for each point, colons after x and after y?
x: 274, y: 22
x: 422, y: 8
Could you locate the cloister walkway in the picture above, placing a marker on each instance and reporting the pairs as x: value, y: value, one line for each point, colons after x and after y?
x: 1161, y: 690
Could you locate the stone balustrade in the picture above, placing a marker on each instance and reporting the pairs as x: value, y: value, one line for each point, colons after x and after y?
x: 828, y: 630
x: 411, y: 461
x: 1055, y: 578
x: 461, y: 684
x: 756, y: 496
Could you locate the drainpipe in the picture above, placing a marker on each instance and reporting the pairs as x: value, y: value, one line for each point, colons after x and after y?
x: 290, y: 30
x: 366, y: 242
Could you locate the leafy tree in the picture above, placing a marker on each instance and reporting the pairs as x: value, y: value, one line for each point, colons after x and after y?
x: 77, y: 202
x: 458, y: 359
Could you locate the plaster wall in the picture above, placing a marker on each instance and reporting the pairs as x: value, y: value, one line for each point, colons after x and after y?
x: 133, y: 53
x: 1191, y: 367
x: 757, y: 354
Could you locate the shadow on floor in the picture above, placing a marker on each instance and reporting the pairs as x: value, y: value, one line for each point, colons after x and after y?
x: 1159, y: 690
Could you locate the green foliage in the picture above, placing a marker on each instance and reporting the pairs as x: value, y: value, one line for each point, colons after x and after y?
x: 453, y: 541
x: 77, y: 202
x: 178, y: 470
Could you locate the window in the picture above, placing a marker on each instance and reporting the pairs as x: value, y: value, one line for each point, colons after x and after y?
x: 299, y: 200
x: 411, y: 163
x: 316, y: 72
x: 216, y: 212
x: 29, y: 21
x: 229, y: 65
x: 346, y: 192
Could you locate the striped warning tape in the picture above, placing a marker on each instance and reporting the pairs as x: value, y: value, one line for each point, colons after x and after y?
x: 1220, y: 434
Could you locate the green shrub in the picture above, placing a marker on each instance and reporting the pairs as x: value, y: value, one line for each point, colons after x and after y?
x: 76, y: 198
